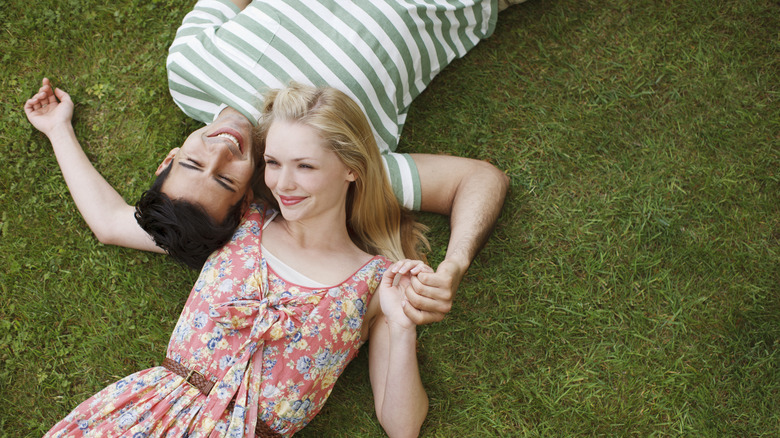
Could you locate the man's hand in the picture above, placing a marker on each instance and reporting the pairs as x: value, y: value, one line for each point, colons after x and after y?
x: 431, y: 294
x: 49, y: 108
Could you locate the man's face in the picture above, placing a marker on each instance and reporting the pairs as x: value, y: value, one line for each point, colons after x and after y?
x: 214, y: 166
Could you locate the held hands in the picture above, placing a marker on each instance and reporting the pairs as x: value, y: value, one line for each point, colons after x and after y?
x: 395, y: 281
x: 49, y: 108
x: 430, y: 295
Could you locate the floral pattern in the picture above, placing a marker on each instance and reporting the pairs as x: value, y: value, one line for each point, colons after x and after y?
x: 273, y: 348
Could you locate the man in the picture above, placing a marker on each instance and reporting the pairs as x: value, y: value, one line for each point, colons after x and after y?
x: 225, y: 54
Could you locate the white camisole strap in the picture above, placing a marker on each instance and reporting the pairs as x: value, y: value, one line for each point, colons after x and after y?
x: 282, y: 268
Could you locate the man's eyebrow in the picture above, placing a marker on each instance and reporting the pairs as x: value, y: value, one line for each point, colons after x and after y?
x: 224, y: 186
x: 189, y: 166
x: 197, y: 169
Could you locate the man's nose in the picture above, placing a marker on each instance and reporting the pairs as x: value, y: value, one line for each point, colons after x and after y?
x: 218, y: 148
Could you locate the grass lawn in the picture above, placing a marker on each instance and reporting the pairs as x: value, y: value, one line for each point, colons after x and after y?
x: 630, y: 287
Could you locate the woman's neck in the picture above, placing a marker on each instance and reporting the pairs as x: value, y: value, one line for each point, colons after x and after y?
x: 321, y: 233
x: 321, y: 250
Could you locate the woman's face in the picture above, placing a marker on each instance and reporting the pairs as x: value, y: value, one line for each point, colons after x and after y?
x: 214, y: 167
x: 307, y: 179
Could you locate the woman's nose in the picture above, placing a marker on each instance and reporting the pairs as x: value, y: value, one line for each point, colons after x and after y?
x: 285, y: 180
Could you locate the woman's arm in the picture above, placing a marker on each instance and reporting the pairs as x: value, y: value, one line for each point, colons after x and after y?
x: 399, y: 397
x: 105, y: 211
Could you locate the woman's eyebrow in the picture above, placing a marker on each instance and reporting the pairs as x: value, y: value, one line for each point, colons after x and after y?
x: 266, y: 156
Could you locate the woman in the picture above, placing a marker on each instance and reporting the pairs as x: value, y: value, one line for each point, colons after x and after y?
x: 271, y: 322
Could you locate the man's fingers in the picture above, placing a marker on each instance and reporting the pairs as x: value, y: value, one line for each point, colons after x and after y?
x: 419, y: 301
x: 52, y: 98
x: 413, y: 314
x: 33, y: 104
x: 421, y: 317
x: 426, y: 303
x: 435, y: 280
x: 428, y: 290
x: 61, y: 94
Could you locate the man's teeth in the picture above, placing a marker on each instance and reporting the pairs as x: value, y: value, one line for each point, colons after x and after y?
x: 230, y: 137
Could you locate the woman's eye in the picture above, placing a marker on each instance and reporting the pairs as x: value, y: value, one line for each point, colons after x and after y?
x: 306, y: 166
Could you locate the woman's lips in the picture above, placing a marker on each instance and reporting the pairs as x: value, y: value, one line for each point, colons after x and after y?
x: 290, y: 200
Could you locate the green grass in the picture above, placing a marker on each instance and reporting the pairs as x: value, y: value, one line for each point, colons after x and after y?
x: 630, y: 288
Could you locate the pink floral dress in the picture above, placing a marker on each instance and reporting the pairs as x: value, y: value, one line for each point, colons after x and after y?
x: 273, y: 348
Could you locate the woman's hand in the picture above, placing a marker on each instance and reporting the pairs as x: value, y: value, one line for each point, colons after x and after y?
x: 396, y: 279
x: 49, y: 108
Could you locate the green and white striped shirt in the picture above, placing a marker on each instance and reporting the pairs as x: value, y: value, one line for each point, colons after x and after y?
x: 381, y: 53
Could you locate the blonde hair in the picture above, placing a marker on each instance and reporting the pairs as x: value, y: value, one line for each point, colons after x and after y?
x: 375, y: 220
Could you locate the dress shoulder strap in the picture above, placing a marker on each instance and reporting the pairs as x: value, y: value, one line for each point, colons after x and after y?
x: 269, y: 216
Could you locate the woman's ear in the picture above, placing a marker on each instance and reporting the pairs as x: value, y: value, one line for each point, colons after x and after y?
x: 351, y: 175
x: 167, y: 161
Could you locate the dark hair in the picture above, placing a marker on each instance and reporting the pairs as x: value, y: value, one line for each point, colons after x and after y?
x: 183, y: 229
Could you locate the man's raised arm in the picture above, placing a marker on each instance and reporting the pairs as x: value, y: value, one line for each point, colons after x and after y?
x: 472, y: 193
x: 109, y: 217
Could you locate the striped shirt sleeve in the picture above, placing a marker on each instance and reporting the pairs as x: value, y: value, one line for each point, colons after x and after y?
x: 404, y: 179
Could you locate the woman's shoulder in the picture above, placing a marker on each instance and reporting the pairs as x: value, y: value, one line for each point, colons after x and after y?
x: 373, y: 270
x: 256, y: 217
x: 260, y: 212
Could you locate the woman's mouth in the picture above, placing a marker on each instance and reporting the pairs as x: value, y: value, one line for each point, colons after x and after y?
x: 290, y: 200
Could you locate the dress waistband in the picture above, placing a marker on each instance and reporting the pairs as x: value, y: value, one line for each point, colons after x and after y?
x: 204, y: 385
x: 191, y: 377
